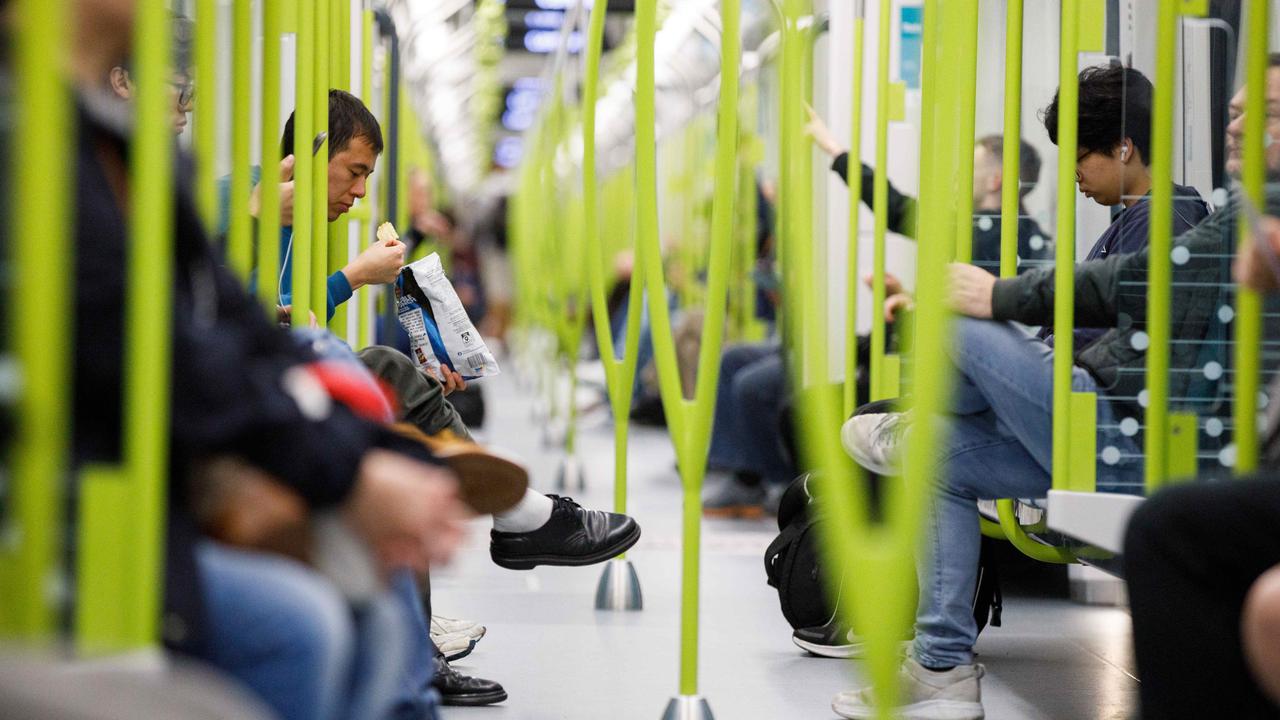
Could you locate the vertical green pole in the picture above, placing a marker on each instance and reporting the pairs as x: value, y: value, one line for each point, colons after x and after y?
x: 304, y: 133
x: 966, y: 90
x: 855, y: 214
x: 269, y: 189
x: 880, y: 204
x: 339, y: 233
x: 1160, y: 265
x: 42, y: 192
x: 1010, y: 185
x: 320, y: 168
x: 205, y: 132
x: 365, y: 328
x: 1064, y: 275
x: 240, y: 227
x: 1248, y: 323
x: 148, y: 353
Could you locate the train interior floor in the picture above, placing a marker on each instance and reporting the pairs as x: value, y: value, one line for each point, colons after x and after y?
x: 558, y: 658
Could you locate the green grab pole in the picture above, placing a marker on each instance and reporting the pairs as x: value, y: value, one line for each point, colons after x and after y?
x: 855, y: 214
x: 239, y: 224
x: 205, y: 114
x: 268, y: 260
x: 320, y: 167
x: 1160, y: 266
x: 1011, y: 180
x: 619, y: 372
x: 304, y: 162
x: 364, y: 328
x: 966, y: 89
x: 880, y: 205
x: 1064, y: 274
x: 121, y: 591
x: 688, y: 420
x: 41, y: 173
x: 1248, y: 322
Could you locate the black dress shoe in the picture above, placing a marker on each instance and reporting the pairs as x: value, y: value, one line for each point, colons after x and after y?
x: 458, y: 689
x: 573, y: 536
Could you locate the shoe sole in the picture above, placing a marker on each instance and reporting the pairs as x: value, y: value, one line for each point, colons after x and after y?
x: 473, y: 700
x: 532, y: 561
x: 745, y: 512
x: 854, y: 650
x: 490, y: 484
x: 926, y: 710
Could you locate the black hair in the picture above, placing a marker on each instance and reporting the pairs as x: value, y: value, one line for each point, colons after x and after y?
x: 1115, y: 103
x: 348, y: 119
x: 1028, y: 161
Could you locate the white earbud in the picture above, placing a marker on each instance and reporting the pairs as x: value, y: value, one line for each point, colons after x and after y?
x: 1124, y: 152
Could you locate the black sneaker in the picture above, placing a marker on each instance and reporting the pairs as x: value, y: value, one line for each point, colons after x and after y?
x: 458, y: 689
x: 572, y: 536
x: 833, y: 639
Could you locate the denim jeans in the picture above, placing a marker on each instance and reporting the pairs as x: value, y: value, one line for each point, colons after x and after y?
x: 746, y: 434
x: 282, y: 629
x: 996, y: 443
x: 417, y: 699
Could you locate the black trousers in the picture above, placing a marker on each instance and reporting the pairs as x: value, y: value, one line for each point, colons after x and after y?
x: 1191, y: 554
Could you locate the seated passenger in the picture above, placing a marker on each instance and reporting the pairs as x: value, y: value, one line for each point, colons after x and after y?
x: 1200, y: 559
x: 1034, y: 247
x: 996, y: 442
x: 240, y: 388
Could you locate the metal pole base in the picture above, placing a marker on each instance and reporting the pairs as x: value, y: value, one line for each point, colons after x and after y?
x: 619, y: 587
x: 571, y: 475
x: 688, y: 707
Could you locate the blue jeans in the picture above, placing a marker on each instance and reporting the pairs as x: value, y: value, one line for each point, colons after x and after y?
x: 417, y: 699
x: 996, y: 443
x: 746, y: 434
x: 283, y: 630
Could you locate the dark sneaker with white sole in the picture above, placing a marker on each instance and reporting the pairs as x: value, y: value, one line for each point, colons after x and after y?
x: 573, y: 536
x: 833, y: 639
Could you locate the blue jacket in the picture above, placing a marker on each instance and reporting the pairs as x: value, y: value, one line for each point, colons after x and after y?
x: 339, y: 287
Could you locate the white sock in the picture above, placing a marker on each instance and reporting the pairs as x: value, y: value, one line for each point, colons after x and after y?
x: 532, y: 512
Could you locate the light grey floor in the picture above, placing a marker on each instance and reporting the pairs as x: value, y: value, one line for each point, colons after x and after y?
x: 559, y: 658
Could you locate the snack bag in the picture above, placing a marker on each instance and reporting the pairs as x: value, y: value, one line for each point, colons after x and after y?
x: 440, y: 333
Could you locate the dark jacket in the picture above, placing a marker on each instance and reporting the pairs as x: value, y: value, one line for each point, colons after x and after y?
x: 1112, y: 293
x: 228, y: 365
x: 1034, y: 246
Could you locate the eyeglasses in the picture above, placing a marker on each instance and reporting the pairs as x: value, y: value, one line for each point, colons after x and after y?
x: 186, y: 92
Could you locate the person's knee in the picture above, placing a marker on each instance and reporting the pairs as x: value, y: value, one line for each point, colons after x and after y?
x: 1260, y: 631
x: 313, y: 625
x: 382, y: 360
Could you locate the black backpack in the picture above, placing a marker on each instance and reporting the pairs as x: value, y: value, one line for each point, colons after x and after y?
x: 795, y: 569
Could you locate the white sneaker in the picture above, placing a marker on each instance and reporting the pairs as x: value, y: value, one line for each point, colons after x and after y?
x: 875, y: 441
x: 455, y: 646
x: 441, y: 625
x: 950, y: 695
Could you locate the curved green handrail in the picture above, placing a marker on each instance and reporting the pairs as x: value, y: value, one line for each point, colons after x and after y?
x: 1248, y: 322
x: 41, y: 248
x: 268, y: 256
x: 304, y: 133
x: 688, y: 420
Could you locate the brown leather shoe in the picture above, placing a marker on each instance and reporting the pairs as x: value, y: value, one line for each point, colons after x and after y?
x: 488, y: 481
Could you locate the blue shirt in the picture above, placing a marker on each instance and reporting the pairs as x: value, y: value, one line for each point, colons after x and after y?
x: 339, y: 288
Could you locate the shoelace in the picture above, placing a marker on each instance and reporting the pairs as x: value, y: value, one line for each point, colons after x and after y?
x: 566, y: 500
x: 890, y: 429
